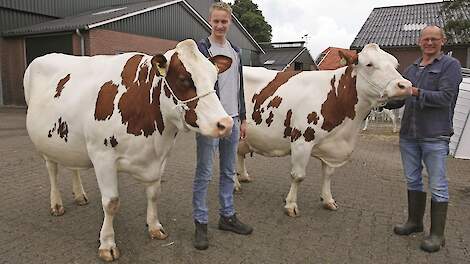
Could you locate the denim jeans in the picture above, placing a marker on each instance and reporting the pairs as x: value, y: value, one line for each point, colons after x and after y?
x: 206, y: 147
x: 433, y: 153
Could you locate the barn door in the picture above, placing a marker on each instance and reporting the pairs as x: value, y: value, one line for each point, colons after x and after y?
x: 42, y: 45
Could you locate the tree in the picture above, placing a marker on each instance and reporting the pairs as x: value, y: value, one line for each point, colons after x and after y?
x: 252, y: 19
x: 456, y: 25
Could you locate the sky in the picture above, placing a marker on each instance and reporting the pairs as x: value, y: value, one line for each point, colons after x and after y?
x: 328, y: 23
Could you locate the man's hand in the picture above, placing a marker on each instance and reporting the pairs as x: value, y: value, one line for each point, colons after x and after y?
x: 415, y: 91
x: 243, y: 130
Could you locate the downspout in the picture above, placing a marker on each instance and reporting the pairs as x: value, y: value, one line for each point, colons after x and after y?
x: 82, y: 42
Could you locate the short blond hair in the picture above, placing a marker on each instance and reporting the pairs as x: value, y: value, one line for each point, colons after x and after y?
x: 220, y: 6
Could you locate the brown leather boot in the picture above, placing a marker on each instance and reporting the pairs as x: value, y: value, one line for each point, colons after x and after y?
x: 416, y: 206
x: 435, y: 240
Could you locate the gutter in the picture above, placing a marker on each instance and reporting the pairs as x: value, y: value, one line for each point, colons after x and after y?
x: 82, y: 42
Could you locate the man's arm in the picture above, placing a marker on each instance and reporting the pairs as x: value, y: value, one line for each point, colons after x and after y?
x: 448, y: 88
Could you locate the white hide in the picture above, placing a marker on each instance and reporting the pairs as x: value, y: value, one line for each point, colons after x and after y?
x: 377, y: 81
x: 140, y: 156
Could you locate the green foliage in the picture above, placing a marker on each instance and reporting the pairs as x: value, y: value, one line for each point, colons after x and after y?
x: 456, y: 25
x: 252, y: 19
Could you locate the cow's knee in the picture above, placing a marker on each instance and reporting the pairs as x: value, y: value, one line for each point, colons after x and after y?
x: 297, y: 178
x: 112, y: 205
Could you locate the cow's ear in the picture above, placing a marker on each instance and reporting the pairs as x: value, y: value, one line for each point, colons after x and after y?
x: 347, y: 59
x: 159, y: 62
x: 221, y: 62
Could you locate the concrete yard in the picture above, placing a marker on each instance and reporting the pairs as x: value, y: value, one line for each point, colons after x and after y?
x: 370, y: 191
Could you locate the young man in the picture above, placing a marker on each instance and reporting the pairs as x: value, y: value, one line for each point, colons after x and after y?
x: 229, y: 88
x: 425, y: 134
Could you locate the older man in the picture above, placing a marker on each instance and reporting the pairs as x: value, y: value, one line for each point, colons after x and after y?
x: 425, y: 133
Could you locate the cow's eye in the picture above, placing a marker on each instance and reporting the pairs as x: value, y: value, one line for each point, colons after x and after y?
x: 188, y: 83
x: 369, y: 65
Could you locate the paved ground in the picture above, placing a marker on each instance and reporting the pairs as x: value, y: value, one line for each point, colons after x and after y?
x: 370, y: 191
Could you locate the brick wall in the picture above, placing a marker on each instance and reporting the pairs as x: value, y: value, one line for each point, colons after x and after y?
x: 408, y: 56
x: 100, y: 41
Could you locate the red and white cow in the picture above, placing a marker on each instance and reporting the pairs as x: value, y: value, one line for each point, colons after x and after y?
x: 120, y: 114
x: 315, y: 113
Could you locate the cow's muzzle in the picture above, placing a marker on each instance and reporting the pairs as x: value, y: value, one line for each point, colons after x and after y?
x: 224, y: 127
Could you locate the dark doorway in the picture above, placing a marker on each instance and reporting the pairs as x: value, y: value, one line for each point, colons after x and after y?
x: 42, y: 45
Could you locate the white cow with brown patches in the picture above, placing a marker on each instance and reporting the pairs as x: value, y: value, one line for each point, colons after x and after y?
x: 120, y: 114
x: 315, y: 113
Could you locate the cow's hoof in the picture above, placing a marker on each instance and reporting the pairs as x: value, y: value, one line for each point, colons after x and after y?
x: 109, y: 254
x: 292, y: 212
x: 333, y: 206
x: 244, y: 178
x: 81, y: 200
x: 57, y: 210
x: 157, y: 234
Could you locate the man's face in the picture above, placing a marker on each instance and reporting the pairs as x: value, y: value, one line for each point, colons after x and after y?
x: 220, y: 21
x: 431, y: 41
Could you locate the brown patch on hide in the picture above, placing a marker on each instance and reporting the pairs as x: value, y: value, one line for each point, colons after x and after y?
x: 60, y: 85
x: 340, y: 101
x: 180, y: 80
x: 275, y: 102
x: 288, y: 129
x: 313, y: 118
x: 295, y: 135
x: 258, y: 99
x: 113, y: 141
x: 105, y: 102
x: 269, y: 121
x: 140, y: 104
x: 63, y: 129
x: 309, y: 134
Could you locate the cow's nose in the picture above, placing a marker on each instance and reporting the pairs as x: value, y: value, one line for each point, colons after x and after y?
x: 224, y: 126
x: 403, y: 84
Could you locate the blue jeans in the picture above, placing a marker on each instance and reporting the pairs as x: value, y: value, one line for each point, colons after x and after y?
x: 205, y: 157
x: 433, y: 153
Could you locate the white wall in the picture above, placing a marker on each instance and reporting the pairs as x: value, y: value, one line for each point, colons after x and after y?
x: 460, y: 141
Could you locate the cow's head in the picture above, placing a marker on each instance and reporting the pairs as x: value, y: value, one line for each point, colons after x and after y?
x: 191, y: 77
x: 376, y: 73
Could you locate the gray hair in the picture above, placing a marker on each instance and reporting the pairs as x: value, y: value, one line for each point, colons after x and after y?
x: 443, y: 34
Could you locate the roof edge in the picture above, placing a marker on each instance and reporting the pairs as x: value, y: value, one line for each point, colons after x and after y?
x: 145, y: 10
x: 296, y: 56
x: 429, y: 3
x: 248, y: 34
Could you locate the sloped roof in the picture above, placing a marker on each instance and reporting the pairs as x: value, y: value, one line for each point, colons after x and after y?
x: 93, y: 18
x: 101, y: 16
x: 329, y: 59
x: 399, y: 26
x: 279, y: 58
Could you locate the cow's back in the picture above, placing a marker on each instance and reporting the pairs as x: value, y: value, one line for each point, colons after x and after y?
x: 61, y: 92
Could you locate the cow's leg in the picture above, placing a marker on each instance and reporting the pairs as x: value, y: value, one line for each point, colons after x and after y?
x: 299, y: 159
x: 243, y: 149
x: 154, y: 226
x: 392, y: 115
x: 106, y: 175
x: 366, y: 123
x: 79, y: 194
x: 326, y: 197
x: 57, y: 208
